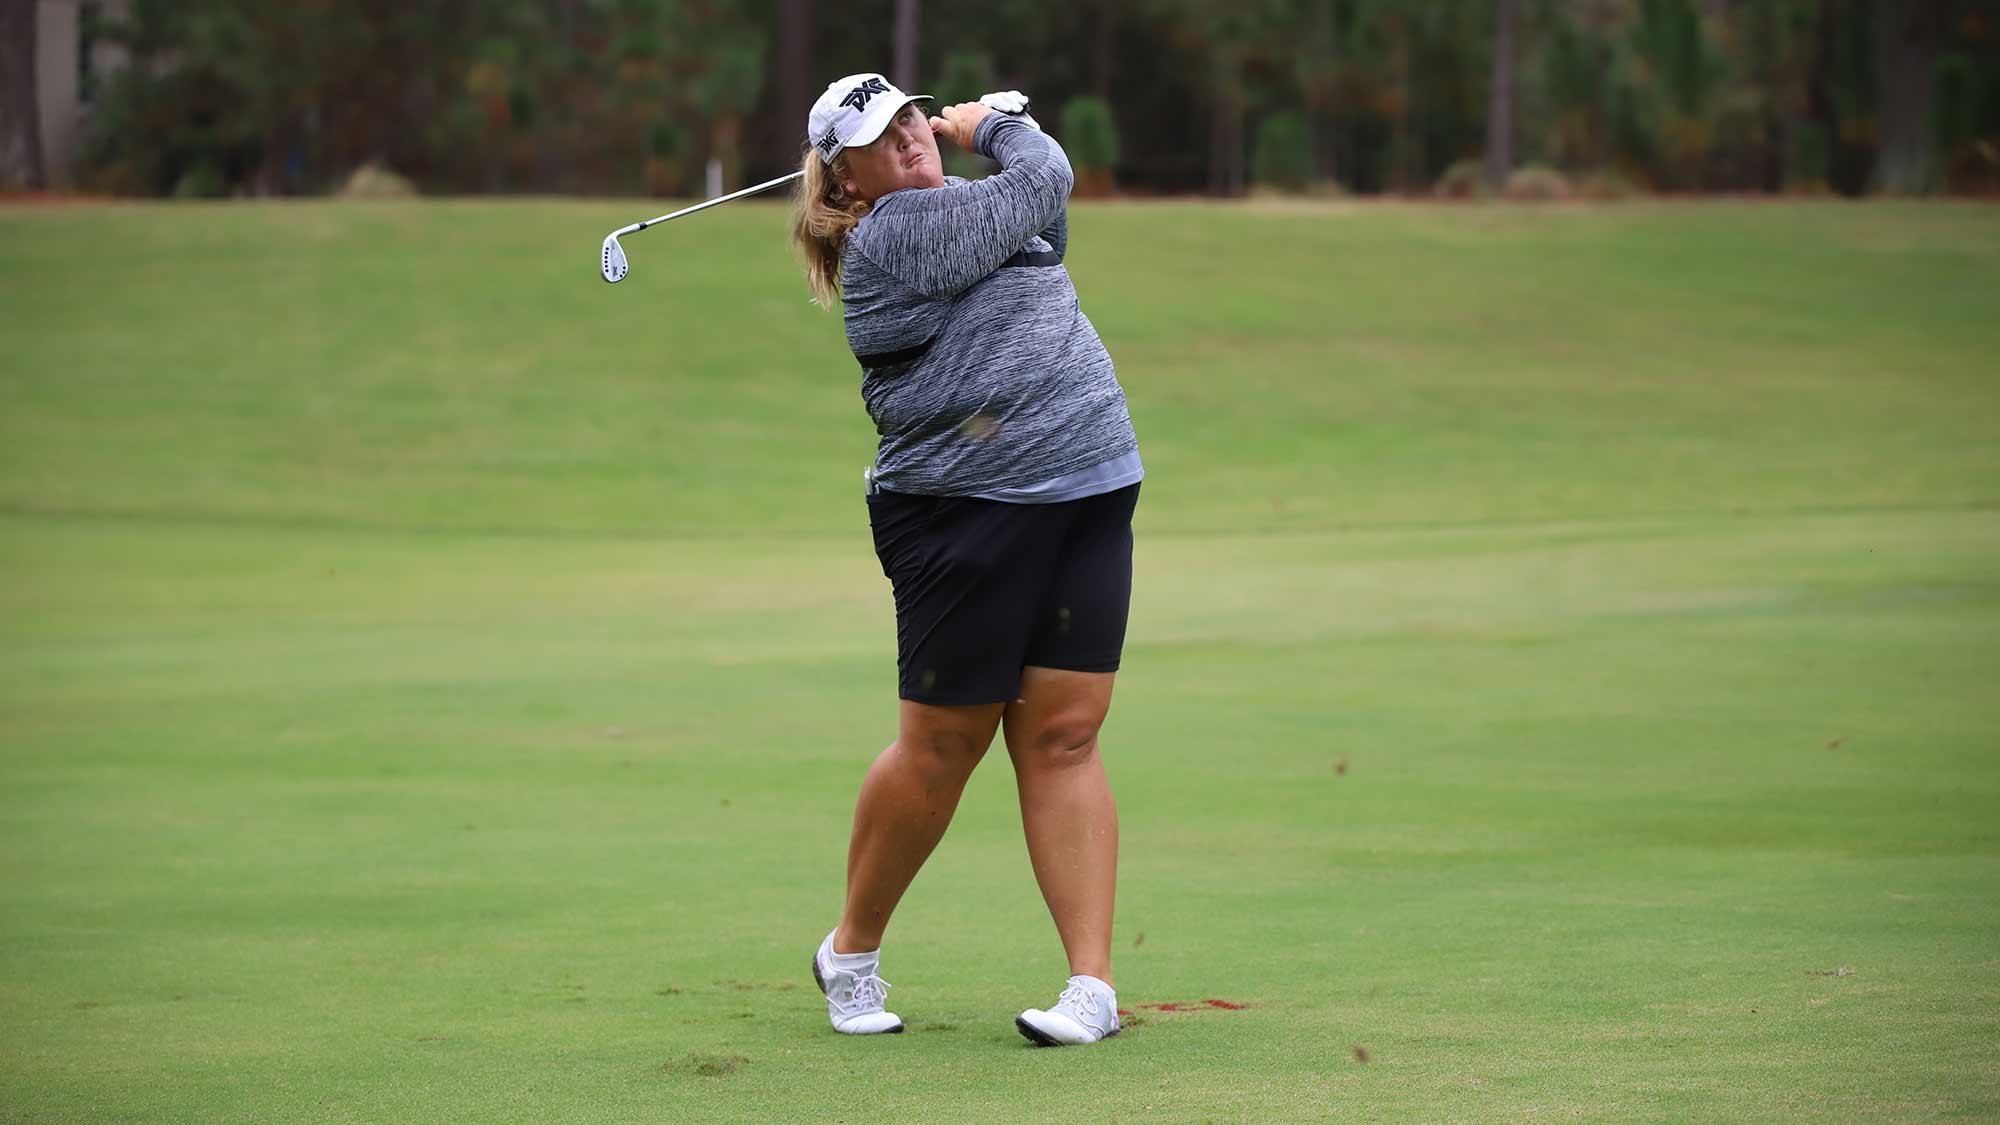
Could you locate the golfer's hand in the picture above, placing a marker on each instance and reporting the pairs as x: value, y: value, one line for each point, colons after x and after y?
x: 1013, y: 103
x: 956, y: 123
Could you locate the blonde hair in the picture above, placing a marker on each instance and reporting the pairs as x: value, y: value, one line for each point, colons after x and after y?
x: 823, y: 215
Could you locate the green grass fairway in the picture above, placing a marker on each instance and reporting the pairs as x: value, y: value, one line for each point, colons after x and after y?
x: 1564, y: 676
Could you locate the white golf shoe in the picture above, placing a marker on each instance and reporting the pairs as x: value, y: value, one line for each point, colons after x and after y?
x: 854, y: 994
x: 1086, y: 1012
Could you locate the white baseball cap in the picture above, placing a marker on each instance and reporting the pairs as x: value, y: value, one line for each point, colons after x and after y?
x: 854, y: 111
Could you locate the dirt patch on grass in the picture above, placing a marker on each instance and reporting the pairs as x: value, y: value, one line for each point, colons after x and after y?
x: 706, y: 1066
x: 1195, y: 1006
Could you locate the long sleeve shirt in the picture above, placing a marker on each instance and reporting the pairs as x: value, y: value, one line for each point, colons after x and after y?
x: 979, y: 369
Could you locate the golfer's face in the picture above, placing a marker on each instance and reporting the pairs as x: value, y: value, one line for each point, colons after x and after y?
x: 904, y: 156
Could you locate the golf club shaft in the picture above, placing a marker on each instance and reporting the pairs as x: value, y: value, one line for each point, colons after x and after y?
x: 765, y: 186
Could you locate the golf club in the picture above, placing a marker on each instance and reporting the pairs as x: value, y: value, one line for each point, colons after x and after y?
x: 613, y: 263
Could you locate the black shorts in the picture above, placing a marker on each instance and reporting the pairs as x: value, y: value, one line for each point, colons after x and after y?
x: 984, y: 588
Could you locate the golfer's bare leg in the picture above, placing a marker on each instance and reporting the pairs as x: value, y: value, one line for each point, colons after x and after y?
x: 1066, y: 806
x: 906, y: 803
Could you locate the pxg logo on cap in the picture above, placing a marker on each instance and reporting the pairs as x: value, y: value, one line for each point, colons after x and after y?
x: 857, y: 98
x: 853, y: 111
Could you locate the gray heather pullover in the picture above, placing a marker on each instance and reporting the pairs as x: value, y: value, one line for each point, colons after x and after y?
x: 978, y: 368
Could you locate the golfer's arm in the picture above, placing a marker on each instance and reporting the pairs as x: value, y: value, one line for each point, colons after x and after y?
x: 941, y: 241
x: 1056, y: 234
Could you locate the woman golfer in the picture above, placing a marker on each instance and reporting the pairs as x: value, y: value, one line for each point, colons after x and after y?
x: 1001, y: 501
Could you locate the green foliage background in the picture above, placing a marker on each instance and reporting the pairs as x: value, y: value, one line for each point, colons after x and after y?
x: 623, y: 96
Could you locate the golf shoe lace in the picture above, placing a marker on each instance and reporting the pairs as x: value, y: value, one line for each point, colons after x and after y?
x: 869, y: 994
x: 1079, y: 999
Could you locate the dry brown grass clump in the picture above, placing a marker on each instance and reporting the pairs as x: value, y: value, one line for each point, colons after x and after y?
x: 375, y: 180
x: 1537, y: 183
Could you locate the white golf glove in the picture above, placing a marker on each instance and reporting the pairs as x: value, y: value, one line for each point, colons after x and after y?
x: 1013, y: 103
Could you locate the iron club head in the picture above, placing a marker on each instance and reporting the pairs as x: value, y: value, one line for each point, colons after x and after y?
x: 613, y: 260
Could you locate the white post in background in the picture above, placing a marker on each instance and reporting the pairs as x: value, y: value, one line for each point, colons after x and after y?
x: 714, y: 177
x: 906, y: 45
x: 55, y: 97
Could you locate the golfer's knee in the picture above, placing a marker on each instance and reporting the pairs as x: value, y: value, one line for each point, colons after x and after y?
x: 942, y: 754
x: 1059, y: 744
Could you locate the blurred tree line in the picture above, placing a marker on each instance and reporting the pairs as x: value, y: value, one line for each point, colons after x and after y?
x: 1457, y: 96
